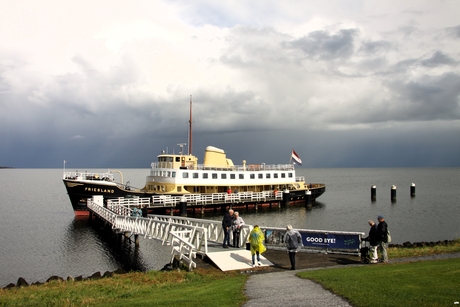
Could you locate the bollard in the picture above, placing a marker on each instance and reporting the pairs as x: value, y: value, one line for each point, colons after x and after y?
x: 393, y: 193
x: 307, y: 198
x: 183, y: 206
x: 285, y: 197
x: 373, y: 192
x: 136, y: 240
x: 412, y: 190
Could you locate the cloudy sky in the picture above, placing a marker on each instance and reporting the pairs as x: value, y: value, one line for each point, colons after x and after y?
x: 107, y: 84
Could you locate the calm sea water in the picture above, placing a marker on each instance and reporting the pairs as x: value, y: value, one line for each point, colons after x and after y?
x: 41, y: 237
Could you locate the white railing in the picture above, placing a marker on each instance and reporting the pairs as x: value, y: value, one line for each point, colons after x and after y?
x: 182, y: 250
x: 128, y: 202
x: 247, y: 167
x: 204, y: 199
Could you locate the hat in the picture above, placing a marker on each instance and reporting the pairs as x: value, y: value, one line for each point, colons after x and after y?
x: 288, y: 227
x: 380, y: 217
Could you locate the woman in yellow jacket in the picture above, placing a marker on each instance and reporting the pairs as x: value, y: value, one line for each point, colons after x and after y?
x: 257, y: 238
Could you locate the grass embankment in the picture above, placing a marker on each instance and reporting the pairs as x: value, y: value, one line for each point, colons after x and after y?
x: 425, y: 283
x: 198, y: 288
x: 428, y: 283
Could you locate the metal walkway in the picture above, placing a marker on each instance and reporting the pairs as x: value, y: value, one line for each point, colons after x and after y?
x: 188, y: 237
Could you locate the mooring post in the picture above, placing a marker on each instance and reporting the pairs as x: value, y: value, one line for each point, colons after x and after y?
x: 373, y: 192
x: 393, y: 193
x: 136, y: 240
x: 286, y: 197
x: 412, y: 190
x: 308, y: 198
x: 183, y: 206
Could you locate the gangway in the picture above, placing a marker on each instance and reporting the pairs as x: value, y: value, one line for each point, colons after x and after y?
x: 189, y: 237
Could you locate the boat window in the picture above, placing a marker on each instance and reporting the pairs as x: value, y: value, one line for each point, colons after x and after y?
x: 252, y: 176
x: 290, y: 175
x: 214, y: 176
x: 205, y: 175
x: 179, y: 189
x: 283, y: 175
x: 177, y: 159
x: 169, y: 174
x: 223, y: 176
x: 275, y: 175
x: 261, y: 176
x: 267, y: 175
x: 241, y: 176
x: 232, y: 176
x: 184, y: 175
x: 195, y: 175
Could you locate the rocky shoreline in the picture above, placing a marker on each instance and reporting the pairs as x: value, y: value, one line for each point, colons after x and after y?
x: 316, y: 262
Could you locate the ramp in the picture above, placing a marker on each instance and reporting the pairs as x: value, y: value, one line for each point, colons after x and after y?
x: 233, y: 258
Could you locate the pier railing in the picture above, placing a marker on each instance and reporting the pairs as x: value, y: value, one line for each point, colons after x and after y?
x: 187, y: 236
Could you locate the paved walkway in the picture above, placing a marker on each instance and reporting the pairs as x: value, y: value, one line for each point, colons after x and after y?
x: 285, y: 289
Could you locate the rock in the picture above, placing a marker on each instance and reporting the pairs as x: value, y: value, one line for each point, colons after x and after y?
x: 108, y: 274
x: 54, y: 277
x: 96, y: 275
x: 22, y: 282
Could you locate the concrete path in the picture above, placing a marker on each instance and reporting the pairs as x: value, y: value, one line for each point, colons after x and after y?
x: 286, y: 289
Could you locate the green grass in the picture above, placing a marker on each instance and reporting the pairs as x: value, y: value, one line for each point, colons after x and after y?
x: 198, y: 288
x: 425, y: 283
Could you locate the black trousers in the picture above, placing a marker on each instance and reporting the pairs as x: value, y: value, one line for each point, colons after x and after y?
x: 236, y: 239
x: 292, y: 259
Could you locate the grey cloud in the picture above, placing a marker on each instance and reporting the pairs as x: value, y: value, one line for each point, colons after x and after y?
x: 437, y: 59
x: 374, y: 47
x: 325, y: 46
x: 454, y: 31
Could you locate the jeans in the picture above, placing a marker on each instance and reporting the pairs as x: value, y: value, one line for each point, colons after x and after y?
x: 253, y: 258
x: 226, y: 236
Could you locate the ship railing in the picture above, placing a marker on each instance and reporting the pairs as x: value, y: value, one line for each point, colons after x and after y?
x: 204, y: 199
x: 89, y: 176
x: 248, y: 167
x: 300, y: 179
x: 128, y: 202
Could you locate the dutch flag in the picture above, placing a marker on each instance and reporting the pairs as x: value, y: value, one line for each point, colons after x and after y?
x: 296, y: 158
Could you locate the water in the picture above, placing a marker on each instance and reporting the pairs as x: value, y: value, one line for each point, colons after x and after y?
x: 41, y: 237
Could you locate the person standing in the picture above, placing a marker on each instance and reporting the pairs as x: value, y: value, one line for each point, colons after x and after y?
x: 144, y: 211
x: 382, y: 232
x: 256, y: 240
x: 293, y: 241
x: 226, y: 226
x: 236, y: 227
x: 373, y: 239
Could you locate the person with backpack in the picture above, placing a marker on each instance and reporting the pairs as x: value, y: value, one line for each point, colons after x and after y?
x: 374, y: 241
x: 382, y: 232
x: 293, y: 241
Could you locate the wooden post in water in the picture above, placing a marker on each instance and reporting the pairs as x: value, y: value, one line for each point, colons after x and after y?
x: 183, y: 206
x: 308, y: 198
x: 286, y: 197
x: 393, y: 193
x: 373, y: 192
x: 412, y: 190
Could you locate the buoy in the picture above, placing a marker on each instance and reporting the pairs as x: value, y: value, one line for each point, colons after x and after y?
x: 412, y: 190
x: 373, y: 192
x: 393, y: 192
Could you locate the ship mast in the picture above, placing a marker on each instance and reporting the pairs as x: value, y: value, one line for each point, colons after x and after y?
x: 190, y: 129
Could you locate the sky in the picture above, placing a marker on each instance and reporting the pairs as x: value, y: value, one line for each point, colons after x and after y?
x: 107, y: 84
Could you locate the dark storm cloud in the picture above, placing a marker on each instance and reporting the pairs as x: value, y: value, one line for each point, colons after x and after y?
x: 323, y: 45
x: 429, y: 98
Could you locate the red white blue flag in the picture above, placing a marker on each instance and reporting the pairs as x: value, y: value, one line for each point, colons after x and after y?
x: 296, y: 158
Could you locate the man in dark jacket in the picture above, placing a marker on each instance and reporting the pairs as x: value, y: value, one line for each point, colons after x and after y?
x: 226, y: 226
x: 373, y: 239
x: 382, y: 232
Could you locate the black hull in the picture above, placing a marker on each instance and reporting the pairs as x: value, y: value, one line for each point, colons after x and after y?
x: 79, y: 192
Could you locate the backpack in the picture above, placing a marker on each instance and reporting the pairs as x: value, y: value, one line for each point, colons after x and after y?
x: 388, y: 236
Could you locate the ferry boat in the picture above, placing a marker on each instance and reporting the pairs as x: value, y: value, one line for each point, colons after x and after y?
x: 180, y: 174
